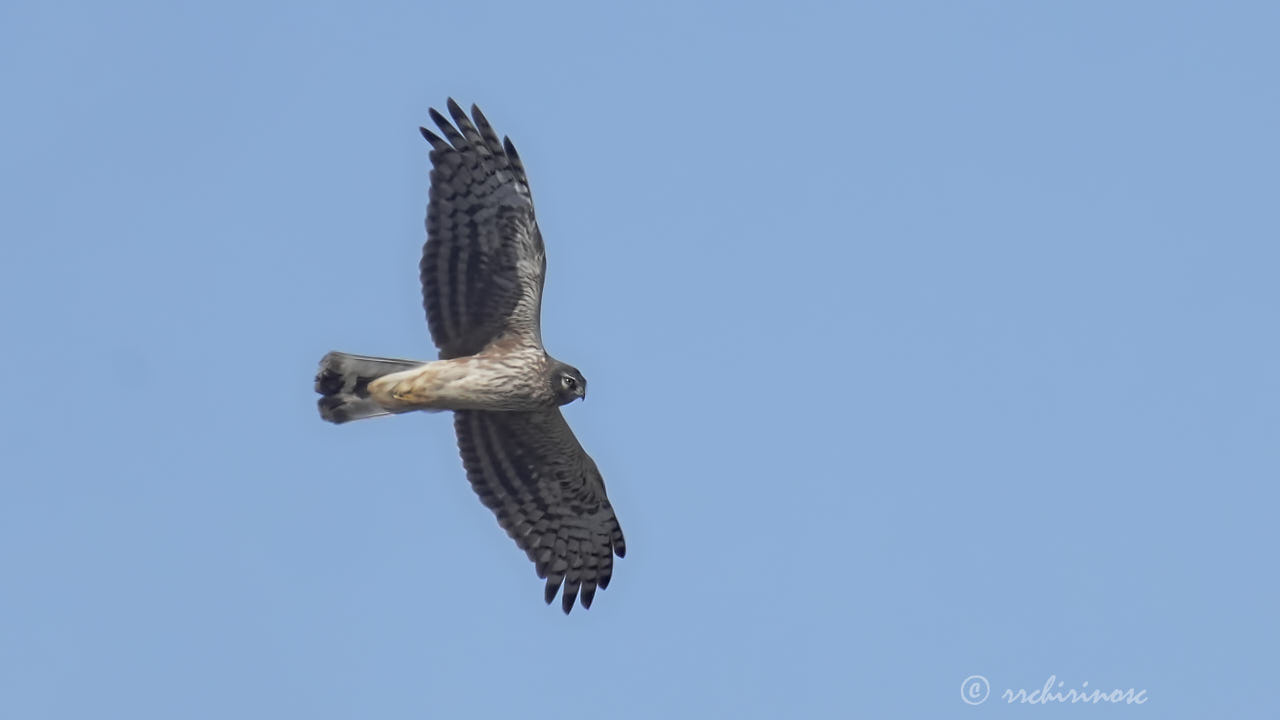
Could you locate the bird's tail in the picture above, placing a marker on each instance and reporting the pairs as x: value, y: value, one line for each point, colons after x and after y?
x: 343, y: 384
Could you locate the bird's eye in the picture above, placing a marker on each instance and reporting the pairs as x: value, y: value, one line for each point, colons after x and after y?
x: 569, y: 382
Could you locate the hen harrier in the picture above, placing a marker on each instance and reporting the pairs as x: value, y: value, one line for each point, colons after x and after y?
x: 482, y: 271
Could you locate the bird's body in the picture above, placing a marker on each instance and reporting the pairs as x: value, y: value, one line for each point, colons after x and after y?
x: 501, y: 381
x: 482, y: 275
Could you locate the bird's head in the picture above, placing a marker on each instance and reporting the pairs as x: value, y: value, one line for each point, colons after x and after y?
x: 567, y: 384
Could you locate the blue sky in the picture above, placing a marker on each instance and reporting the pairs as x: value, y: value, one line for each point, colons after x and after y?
x: 925, y: 340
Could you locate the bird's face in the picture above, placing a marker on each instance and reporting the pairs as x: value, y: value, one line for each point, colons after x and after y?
x: 569, y: 385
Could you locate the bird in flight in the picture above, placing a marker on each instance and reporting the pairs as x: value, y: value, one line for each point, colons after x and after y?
x: 482, y: 273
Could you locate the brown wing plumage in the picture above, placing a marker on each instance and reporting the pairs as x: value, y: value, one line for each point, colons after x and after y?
x: 482, y: 273
x: 483, y: 264
x: 548, y: 495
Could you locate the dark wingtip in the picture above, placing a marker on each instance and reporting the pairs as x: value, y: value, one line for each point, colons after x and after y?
x: 486, y: 131
x: 552, y: 589
x: 440, y: 120
x: 454, y: 109
x: 569, y: 597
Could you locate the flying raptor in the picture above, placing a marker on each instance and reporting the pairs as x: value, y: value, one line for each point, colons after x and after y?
x: 482, y: 272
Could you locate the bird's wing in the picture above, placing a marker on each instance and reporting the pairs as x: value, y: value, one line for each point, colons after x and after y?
x: 483, y: 264
x: 548, y: 495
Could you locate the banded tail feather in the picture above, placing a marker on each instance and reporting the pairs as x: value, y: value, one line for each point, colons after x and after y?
x: 343, y: 384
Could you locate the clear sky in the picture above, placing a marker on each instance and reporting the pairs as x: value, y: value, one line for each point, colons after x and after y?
x: 925, y: 340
